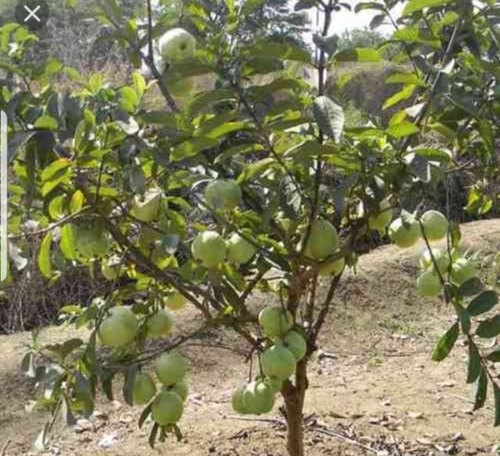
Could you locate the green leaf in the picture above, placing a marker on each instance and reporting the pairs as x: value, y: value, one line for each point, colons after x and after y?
x: 77, y: 201
x: 128, y: 385
x: 483, y: 303
x: 358, y: 55
x: 204, y: 100
x: 481, y: 391
x: 128, y: 99
x: 329, y: 117
x: 46, y: 123
x: 405, y: 93
x: 67, y: 242
x: 281, y: 51
x: 368, y: 5
x: 402, y: 129
x: 489, y: 328
x: 418, y: 5
x: 405, y: 78
x: 446, y: 343
x: 496, y: 392
x: 53, y: 170
x: 192, y: 147
x: 474, y: 368
x: 494, y: 356
x: 44, y: 256
x: 471, y: 287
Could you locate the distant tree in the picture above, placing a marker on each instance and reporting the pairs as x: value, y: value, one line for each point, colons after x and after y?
x: 360, y: 37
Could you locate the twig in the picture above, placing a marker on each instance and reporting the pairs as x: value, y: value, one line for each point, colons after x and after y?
x: 330, y: 433
x: 256, y: 420
x: 4, y: 448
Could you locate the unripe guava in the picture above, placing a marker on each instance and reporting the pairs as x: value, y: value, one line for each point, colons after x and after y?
x: 238, y: 403
x: 223, y: 194
x: 209, y: 248
x: 381, y: 221
x: 239, y: 250
x: 435, y: 225
x: 296, y: 343
x: 334, y: 268
x: 275, y: 384
x: 441, y: 257
x: 275, y: 321
x: 323, y: 240
x: 177, y: 44
x: 170, y: 368
x: 159, y: 325
x: 258, y: 398
x: 462, y: 270
x: 167, y: 408
x: 144, y: 389
x: 175, y: 301
x: 110, y: 268
x: 404, y: 236
x: 278, y: 362
x: 428, y: 284
x: 181, y: 388
x: 119, y: 328
x: 146, y: 207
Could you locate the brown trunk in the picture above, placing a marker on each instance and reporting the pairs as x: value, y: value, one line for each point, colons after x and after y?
x: 294, y: 403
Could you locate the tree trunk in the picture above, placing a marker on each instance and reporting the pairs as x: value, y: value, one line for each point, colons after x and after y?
x: 294, y: 404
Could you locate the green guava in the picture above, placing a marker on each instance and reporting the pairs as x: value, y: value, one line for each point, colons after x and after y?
x: 296, y: 343
x: 167, y: 408
x: 435, y: 225
x: 238, y: 403
x: 177, y: 44
x: 119, y: 328
x: 278, y: 362
x: 170, y: 368
x: 239, y: 250
x: 428, y: 284
x: 146, y: 208
x: 159, y: 325
x: 275, y: 321
x: 175, y: 301
x: 380, y: 221
x: 441, y: 257
x: 144, y: 389
x: 181, y: 388
x: 209, y: 248
x: 404, y: 236
x: 462, y: 270
x: 258, y: 398
x: 323, y: 240
x: 223, y: 194
x: 334, y: 268
x: 274, y: 383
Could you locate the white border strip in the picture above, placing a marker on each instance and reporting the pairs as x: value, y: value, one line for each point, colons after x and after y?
x: 3, y: 198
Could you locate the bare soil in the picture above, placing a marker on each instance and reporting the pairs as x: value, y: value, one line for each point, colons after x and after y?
x: 373, y: 387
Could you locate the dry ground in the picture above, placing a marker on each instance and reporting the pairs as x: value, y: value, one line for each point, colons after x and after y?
x: 374, y: 389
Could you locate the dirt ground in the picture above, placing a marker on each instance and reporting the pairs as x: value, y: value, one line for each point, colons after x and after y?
x: 373, y: 387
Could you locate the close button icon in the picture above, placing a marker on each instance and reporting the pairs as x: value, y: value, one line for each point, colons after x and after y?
x: 32, y: 14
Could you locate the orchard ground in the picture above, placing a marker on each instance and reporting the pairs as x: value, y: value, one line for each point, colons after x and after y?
x: 373, y: 382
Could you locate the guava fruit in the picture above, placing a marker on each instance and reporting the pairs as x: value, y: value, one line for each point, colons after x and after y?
x: 91, y: 241
x: 462, y: 270
x: 381, y: 220
x: 441, y: 257
x: 296, y: 343
x: 177, y: 44
x: 239, y: 250
x: 333, y: 268
x: 170, y: 368
x: 258, y: 398
x: 275, y: 321
x: 181, y: 388
x: 209, y: 248
x: 435, y: 225
x: 323, y: 240
x: 146, y: 208
x: 223, y: 194
x: 110, y: 268
x: 167, y: 408
x: 278, y: 362
x: 274, y: 383
x: 175, y: 301
x: 119, y: 328
x: 428, y: 284
x: 404, y: 236
x: 144, y: 389
x: 238, y: 403
x: 159, y: 325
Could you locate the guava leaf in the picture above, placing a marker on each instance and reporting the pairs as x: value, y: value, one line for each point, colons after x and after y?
x: 329, y: 117
x: 44, y: 256
x: 446, y: 343
x: 483, y: 303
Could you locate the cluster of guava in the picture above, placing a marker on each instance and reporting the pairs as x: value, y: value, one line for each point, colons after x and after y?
x: 434, y: 263
x: 286, y: 346
x: 209, y: 247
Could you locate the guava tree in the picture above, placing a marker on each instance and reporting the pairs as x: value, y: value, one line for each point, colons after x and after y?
x: 247, y: 183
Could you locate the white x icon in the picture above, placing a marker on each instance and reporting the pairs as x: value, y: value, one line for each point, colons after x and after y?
x: 32, y: 13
